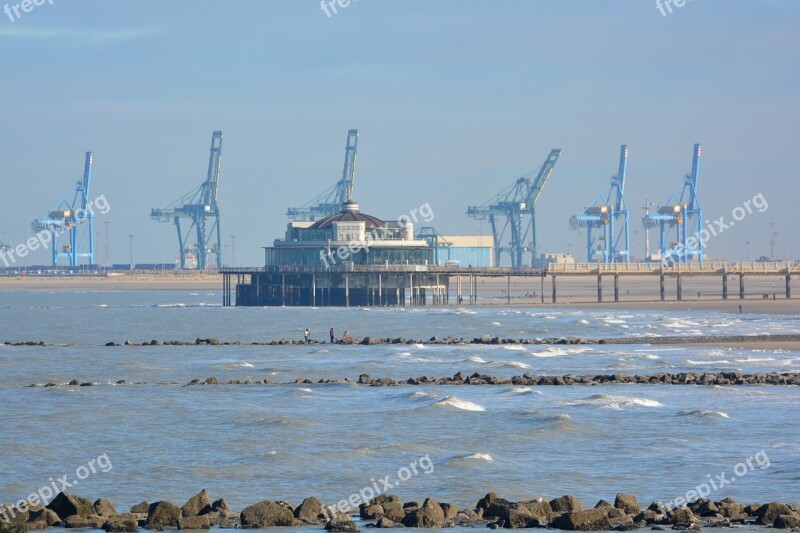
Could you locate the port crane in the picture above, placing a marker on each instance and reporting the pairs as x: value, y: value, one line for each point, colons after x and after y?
x: 71, y: 222
x: 513, y: 210
x: 200, y: 207
x: 330, y: 202
x: 607, y: 220
x: 682, y: 214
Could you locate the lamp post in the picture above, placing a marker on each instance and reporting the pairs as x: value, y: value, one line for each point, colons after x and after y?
x: 233, y: 250
x: 131, y: 238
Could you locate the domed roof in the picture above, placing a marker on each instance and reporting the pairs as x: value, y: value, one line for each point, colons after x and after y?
x: 349, y: 213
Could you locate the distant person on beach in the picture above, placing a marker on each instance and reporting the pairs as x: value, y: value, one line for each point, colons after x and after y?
x: 307, y: 335
x: 740, y: 308
x: 333, y: 337
x: 346, y: 335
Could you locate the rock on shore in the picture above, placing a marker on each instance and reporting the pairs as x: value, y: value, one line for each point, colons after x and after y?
x: 386, y: 511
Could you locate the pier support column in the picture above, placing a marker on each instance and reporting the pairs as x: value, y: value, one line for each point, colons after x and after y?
x: 554, y: 288
x: 437, y: 293
x: 788, y: 287
x: 347, y: 290
x: 475, y: 290
x: 458, y: 289
x: 599, y: 288
x: 283, y: 290
x: 313, y: 290
x: 724, y: 286
x: 508, y: 290
x: 680, y: 288
x: 662, y: 288
x: 380, y: 291
x: 741, y: 286
x: 616, y: 287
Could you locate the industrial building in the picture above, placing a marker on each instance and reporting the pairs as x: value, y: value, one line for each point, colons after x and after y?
x: 349, y: 237
x: 461, y: 250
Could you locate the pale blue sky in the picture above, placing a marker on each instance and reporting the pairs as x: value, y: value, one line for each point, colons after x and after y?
x: 453, y: 99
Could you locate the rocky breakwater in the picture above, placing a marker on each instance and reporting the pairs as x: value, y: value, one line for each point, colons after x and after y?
x: 386, y: 511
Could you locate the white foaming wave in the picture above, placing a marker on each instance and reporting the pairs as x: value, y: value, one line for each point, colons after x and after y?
x: 402, y: 354
x: 521, y: 390
x: 321, y: 350
x: 303, y: 389
x: 712, y: 362
x: 457, y: 403
x: 171, y: 305
x: 615, y: 402
x: 496, y: 324
x: 419, y: 346
x: 703, y: 413
x: 462, y: 311
x: 583, y: 321
x: 271, y: 453
x: 419, y: 395
x: 474, y: 359
x: 235, y: 364
x: 755, y: 360
x: 479, y: 456
x: 514, y: 347
x: 550, y: 352
x: 540, y: 416
x: 510, y: 364
x: 613, y: 320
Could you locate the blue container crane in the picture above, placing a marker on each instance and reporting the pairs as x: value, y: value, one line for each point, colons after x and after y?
x: 514, y: 204
x: 71, y: 222
x: 330, y: 202
x: 607, y: 236
x: 682, y: 214
x: 199, y: 206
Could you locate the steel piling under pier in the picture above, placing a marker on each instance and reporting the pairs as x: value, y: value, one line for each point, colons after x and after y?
x: 422, y: 285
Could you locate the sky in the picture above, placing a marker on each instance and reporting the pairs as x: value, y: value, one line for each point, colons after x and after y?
x: 453, y: 100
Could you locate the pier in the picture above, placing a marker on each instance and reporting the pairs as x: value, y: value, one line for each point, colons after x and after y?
x: 423, y: 285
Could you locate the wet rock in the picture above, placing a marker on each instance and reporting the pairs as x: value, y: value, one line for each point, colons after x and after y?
x: 603, y: 504
x: 682, y: 515
x: 66, y: 505
x: 266, y: 514
x: 161, y: 515
x: 212, y: 381
x: 769, y: 512
x: 583, y: 520
x: 364, y: 379
x: 565, y: 504
x: 341, y: 522
x: 122, y: 523
x: 787, y: 521
x: 309, y: 510
x: 141, y: 508
x: 370, y: 511
x: 492, y: 505
x: 197, y: 505
x: 80, y: 522
x: 194, y: 522
x: 627, y: 503
x: 103, y: 507
x: 385, y: 523
x: 428, y: 516
x: 450, y: 510
x: 43, y: 518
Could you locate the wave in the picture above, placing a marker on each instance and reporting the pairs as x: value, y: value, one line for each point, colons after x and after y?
x: 496, y: 324
x: 714, y: 362
x: 419, y: 346
x: 457, y: 403
x: 474, y: 359
x: 478, y: 456
x: 234, y: 364
x: 510, y: 364
x: 615, y: 402
x: 703, y: 413
x: 550, y: 352
x: 521, y: 390
x: 514, y: 347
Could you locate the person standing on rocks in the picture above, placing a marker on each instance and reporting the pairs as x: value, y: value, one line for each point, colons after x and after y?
x: 307, y: 335
x: 333, y: 337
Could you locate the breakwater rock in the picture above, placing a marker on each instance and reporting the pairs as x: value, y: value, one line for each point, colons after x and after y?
x: 386, y: 511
